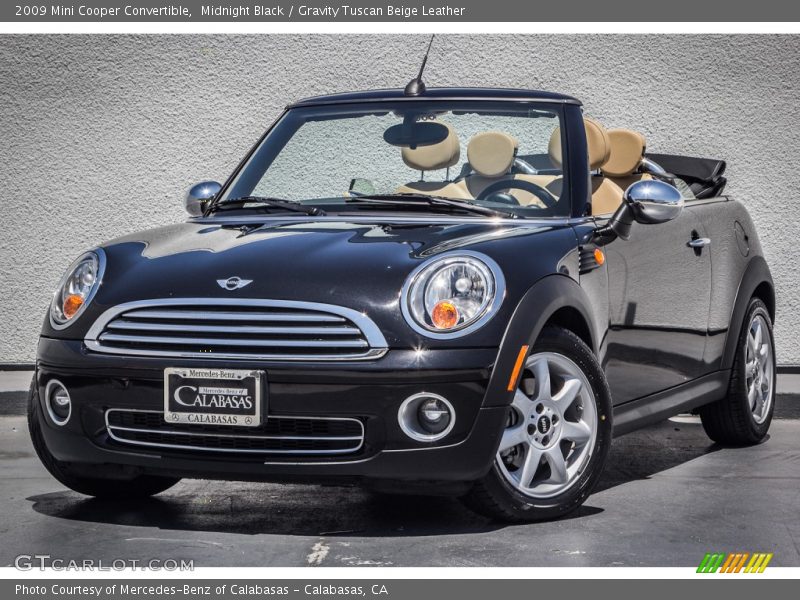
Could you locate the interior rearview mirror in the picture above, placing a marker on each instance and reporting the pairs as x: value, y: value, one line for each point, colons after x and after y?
x: 412, y: 134
x: 649, y: 201
x: 198, y: 196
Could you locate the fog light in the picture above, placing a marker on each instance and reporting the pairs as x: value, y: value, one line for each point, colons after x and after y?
x: 434, y: 416
x: 58, y: 402
x: 426, y: 417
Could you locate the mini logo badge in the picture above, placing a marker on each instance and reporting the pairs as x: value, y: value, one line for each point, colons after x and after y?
x: 543, y: 424
x: 233, y: 283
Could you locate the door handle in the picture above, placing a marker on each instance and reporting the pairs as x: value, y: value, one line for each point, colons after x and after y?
x: 699, y: 243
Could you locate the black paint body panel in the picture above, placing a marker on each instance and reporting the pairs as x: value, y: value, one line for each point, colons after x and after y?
x: 662, y: 318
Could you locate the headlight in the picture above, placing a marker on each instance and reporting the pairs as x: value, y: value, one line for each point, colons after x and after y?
x: 76, y: 289
x: 452, y: 295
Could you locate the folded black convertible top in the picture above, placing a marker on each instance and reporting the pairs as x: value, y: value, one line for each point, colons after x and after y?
x: 704, y: 175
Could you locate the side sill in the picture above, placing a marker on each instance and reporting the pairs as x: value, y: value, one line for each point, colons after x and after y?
x: 657, y: 407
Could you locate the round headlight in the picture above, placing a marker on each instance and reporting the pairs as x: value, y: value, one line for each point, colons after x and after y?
x: 76, y: 289
x: 452, y: 295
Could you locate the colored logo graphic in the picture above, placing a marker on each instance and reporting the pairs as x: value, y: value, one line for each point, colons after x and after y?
x: 734, y: 562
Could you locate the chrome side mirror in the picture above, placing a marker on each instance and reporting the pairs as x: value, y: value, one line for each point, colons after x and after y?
x: 198, y: 196
x: 649, y: 202
x: 653, y: 201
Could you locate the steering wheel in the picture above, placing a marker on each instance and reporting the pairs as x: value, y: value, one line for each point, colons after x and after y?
x: 521, y: 184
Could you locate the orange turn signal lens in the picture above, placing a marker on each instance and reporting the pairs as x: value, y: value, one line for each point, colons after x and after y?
x: 599, y: 256
x: 72, y: 305
x: 444, y: 315
x: 512, y: 381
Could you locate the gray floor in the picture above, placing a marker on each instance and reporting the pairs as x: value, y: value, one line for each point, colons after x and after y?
x: 667, y: 497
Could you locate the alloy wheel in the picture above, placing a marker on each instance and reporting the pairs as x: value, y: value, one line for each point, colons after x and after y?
x: 551, y: 428
x: 759, y: 368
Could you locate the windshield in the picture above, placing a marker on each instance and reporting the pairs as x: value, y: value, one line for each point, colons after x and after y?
x: 345, y: 158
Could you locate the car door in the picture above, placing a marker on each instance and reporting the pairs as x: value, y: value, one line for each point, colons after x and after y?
x: 659, y: 299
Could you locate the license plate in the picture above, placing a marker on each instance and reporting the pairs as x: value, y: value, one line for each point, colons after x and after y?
x: 214, y: 397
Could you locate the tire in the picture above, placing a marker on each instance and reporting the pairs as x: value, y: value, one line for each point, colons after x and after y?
x: 508, y: 492
x: 140, y: 486
x: 736, y: 420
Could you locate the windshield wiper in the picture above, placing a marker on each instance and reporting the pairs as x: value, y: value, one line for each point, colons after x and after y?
x: 419, y: 199
x: 265, y: 202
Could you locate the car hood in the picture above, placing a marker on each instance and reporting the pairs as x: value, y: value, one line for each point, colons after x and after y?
x: 357, y: 265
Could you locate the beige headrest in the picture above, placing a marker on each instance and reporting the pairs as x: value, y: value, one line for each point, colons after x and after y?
x: 627, y: 151
x: 492, y: 153
x: 597, y: 143
x: 438, y: 156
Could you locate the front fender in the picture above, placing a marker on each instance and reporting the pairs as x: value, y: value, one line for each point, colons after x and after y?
x: 536, y: 308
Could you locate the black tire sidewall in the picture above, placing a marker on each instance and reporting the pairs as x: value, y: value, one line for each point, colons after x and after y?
x: 563, y: 342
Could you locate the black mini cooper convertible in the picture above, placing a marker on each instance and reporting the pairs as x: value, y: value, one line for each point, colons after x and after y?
x: 458, y: 291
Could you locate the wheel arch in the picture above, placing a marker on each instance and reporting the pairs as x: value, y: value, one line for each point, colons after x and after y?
x: 756, y: 282
x: 766, y: 292
x: 574, y: 320
x: 553, y: 300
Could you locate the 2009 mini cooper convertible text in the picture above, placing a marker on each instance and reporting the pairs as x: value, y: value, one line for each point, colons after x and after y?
x: 464, y: 291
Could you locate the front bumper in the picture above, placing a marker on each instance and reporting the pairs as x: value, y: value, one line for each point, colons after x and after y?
x: 369, y: 391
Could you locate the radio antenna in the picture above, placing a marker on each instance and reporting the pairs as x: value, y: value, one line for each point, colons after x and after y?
x: 416, y: 87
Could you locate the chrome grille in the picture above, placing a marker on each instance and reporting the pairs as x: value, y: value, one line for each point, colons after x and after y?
x: 294, y: 435
x: 236, y: 328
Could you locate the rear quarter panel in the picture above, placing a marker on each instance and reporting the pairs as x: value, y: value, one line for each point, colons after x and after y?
x: 734, y: 244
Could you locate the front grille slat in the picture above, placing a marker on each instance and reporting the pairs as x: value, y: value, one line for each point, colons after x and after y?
x: 236, y: 328
x: 196, y: 315
x: 252, y: 329
x: 278, y: 435
x: 243, y: 436
x: 171, y: 341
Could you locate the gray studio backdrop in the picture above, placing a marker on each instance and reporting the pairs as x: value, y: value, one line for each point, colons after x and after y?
x: 101, y: 135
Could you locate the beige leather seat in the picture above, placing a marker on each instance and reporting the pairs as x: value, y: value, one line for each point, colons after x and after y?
x: 491, y: 155
x: 439, y: 156
x: 627, y: 152
x: 606, y: 195
x: 625, y: 164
